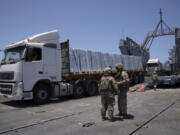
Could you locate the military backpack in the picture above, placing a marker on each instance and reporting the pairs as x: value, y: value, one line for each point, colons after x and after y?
x: 105, y: 84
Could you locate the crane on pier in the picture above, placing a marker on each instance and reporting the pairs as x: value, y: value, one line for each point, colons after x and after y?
x: 161, y: 29
x: 130, y: 47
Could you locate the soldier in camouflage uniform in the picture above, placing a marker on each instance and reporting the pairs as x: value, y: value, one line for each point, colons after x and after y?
x: 123, y: 87
x: 155, y: 79
x: 107, y: 89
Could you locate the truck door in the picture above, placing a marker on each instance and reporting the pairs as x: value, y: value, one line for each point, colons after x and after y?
x: 49, y: 62
x: 32, y: 67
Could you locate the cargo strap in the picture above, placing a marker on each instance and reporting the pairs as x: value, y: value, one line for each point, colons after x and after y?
x: 87, y: 60
x: 79, y: 59
x: 105, y: 60
x: 97, y: 63
x: 75, y: 58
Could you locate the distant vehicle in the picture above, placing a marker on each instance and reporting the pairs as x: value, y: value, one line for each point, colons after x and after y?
x: 153, y: 65
x: 40, y: 68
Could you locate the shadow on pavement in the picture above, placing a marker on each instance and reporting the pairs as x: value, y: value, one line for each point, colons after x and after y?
x: 30, y: 103
x: 129, y: 116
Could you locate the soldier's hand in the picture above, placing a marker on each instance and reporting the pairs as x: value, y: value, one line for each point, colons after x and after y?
x: 119, y: 83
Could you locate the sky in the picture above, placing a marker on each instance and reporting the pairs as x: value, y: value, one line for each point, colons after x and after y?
x: 90, y: 24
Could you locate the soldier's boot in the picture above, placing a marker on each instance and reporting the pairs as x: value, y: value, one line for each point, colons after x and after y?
x: 119, y: 114
x: 110, y: 113
x: 119, y: 108
x: 125, y: 115
x: 155, y: 87
x: 103, y: 114
x: 104, y: 118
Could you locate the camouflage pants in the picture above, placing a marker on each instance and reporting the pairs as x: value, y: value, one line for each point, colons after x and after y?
x: 122, y: 102
x: 107, y: 102
x: 155, y: 84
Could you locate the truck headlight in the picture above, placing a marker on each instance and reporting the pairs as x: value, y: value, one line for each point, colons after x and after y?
x: 17, y: 86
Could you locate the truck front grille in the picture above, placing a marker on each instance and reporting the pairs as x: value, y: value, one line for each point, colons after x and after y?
x: 6, y: 89
x: 7, y: 76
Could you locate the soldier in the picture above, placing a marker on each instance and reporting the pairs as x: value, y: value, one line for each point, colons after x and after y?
x: 123, y: 86
x: 107, y: 90
x: 155, y: 79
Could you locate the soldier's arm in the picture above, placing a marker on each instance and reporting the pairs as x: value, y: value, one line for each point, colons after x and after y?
x: 125, y: 80
x: 117, y: 75
x: 99, y: 88
x: 114, y: 84
x: 152, y: 77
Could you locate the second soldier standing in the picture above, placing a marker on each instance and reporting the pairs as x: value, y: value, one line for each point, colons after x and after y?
x: 123, y: 87
x: 155, y: 79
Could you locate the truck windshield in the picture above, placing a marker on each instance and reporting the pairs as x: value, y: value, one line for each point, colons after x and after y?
x: 13, y: 54
x: 152, y: 65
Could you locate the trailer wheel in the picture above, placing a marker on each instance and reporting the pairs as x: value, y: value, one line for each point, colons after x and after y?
x: 41, y: 94
x: 92, y: 88
x: 79, y: 91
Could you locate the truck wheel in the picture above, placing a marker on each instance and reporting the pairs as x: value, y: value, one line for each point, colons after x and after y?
x: 41, y: 94
x: 92, y: 88
x: 79, y: 91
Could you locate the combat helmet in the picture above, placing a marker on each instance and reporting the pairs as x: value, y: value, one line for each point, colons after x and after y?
x: 119, y: 66
x: 107, y: 71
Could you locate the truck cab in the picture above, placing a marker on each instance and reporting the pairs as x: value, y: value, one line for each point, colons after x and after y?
x: 153, y: 65
x: 31, y: 64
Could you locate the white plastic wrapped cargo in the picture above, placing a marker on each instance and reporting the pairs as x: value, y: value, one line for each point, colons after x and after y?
x: 86, y: 60
x: 74, y: 60
x: 129, y: 63
x: 113, y: 61
x: 125, y: 62
x: 136, y: 63
x: 83, y: 60
x: 117, y: 58
x: 109, y: 60
x: 100, y: 63
x: 140, y: 64
x: 103, y: 61
x: 132, y: 63
x: 89, y: 59
x: 94, y: 65
x: 106, y: 55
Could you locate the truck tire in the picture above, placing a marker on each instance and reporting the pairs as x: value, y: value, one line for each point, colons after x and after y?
x: 92, y: 88
x: 79, y: 91
x: 41, y: 94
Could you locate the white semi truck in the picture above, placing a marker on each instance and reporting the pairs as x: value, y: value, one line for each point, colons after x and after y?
x: 40, y: 68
